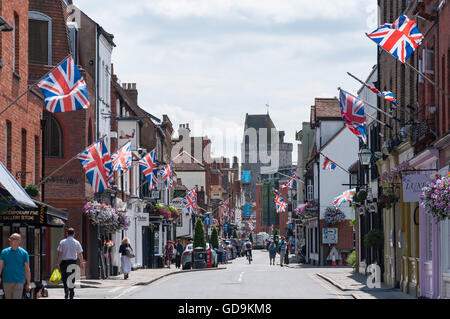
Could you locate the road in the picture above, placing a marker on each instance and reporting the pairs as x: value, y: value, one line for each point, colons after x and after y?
x: 240, y: 280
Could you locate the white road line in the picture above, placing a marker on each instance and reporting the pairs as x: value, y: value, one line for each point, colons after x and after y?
x: 126, y: 292
x: 240, y: 277
x: 115, y: 289
x: 326, y: 286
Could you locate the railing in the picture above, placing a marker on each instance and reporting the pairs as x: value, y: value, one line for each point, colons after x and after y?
x: 421, y: 129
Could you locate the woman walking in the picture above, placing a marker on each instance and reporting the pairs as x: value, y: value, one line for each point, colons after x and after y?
x: 168, y: 252
x: 125, y: 260
x: 272, y: 253
x: 179, y: 249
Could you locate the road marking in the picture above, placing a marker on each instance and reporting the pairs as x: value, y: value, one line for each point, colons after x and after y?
x: 326, y: 286
x: 240, y: 277
x: 126, y: 292
x: 115, y: 289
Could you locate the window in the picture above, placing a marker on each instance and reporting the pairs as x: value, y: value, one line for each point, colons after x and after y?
x: 24, y: 157
x: 428, y: 61
x: 16, y: 43
x: 8, y: 145
x: 73, y: 36
x: 52, y: 137
x: 37, y: 158
x: 40, y: 38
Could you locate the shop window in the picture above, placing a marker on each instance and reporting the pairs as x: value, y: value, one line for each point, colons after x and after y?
x: 40, y: 38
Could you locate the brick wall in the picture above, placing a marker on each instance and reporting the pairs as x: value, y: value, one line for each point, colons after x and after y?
x: 345, y: 239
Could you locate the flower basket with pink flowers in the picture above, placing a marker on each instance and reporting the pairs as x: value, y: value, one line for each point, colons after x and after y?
x: 435, y: 198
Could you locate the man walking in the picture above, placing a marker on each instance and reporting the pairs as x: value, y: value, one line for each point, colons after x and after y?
x: 15, y: 264
x: 282, y: 244
x: 69, y: 250
x: 179, y: 249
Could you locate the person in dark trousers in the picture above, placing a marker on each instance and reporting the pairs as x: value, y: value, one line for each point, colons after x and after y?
x: 124, y: 259
x: 286, y: 255
x: 179, y: 248
x: 69, y: 250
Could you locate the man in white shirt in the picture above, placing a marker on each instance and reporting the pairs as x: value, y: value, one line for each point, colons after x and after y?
x: 69, y: 250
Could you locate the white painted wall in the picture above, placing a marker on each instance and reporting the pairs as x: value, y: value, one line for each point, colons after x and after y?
x: 344, y: 151
x: 191, y: 179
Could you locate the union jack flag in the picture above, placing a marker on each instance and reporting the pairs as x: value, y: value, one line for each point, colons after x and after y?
x: 346, y: 196
x: 97, y: 165
x: 328, y: 164
x: 64, y: 88
x: 290, y: 184
x: 190, y: 203
x: 121, y: 160
x: 150, y: 169
x: 387, y: 95
x: 167, y: 175
x: 225, y: 203
x: 281, y: 205
x: 352, y: 109
x: 251, y: 225
x: 358, y: 130
x: 400, y: 38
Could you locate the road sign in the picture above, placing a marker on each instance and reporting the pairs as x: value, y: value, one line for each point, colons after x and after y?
x: 207, y: 220
x: 329, y: 235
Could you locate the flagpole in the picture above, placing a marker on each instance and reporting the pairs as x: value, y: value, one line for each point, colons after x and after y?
x: 31, y: 86
x: 366, y: 85
x: 377, y: 120
x: 297, y: 178
x: 368, y: 104
x: 414, y: 69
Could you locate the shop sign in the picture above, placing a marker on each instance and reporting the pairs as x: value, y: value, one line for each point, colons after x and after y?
x: 128, y: 130
x: 216, y: 192
x: 329, y: 235
x: 246, y: 177
x: 143, y: 218
x: 412, y: 186
x: 31, y: 217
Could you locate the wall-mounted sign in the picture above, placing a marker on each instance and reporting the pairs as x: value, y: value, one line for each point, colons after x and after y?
x: 155, y: 194
x: 329, y: 235
x: 143, y: 218
x: 216, y: 192
x: 246, y: 177
x: 31, y: 217
x: 412, y: 186
x: 247, y: 212
x: 128, y: 130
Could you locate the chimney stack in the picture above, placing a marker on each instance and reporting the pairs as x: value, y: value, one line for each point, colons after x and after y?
x: 131, y: 90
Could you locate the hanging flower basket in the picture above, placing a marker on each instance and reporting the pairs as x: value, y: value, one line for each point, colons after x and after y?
x: 387, y: 199
x: 333, y: 216
x: 109, y: 244
x: 435, y: 198
x: 174, y: 213
x: 307, y: 210
x: 104, y: 215
x: 163, y: 211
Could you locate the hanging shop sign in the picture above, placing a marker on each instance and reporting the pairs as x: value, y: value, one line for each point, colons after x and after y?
x: 216, y: 192
x: 128, y: 130
x: 412, y: 186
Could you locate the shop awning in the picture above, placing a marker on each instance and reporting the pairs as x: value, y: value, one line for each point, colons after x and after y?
x: 13, y: 187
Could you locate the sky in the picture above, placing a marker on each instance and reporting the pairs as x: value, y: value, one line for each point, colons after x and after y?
x: 209, y: 62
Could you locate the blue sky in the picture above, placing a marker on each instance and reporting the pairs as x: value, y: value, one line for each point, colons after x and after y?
x: 209, y: 62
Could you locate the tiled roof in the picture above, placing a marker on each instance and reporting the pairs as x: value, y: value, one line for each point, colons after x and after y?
x: 188, y: 167
x: 325, y: 108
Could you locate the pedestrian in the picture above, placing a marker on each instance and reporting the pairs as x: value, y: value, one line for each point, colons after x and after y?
x: 286, y: 255
x: 272, y: 253
x: 125, y: 261
x: 15, y: 264
x: 282, y: 248
x: 69, y: 251
x: 220, y: 253
x: 179, y: 249
x: 168, y: 252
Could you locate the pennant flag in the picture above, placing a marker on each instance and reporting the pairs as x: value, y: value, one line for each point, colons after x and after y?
x: 281, y: 205
x: 150, y: 169
x: 251, y: 225
x: 97, y: 165
x: 328, y: 164
x: 121, y: 160
x: 400, y: 38
x: 167, y: 175
x: 64, y: 88
x: 346, y: 196
x: 190, y: 203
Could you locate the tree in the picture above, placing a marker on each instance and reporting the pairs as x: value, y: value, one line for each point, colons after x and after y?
x: 251, y: 238
x: 235, y: 234
x: 215, y: 237
x: 199, y: 234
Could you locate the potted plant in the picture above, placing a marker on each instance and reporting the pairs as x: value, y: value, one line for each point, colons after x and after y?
x: 435, y: 198
x: 360, y: 196
x: 32, y: 190
x: 374, y: 239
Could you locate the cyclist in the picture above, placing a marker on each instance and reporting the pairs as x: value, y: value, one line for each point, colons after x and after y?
x: 248, y: 248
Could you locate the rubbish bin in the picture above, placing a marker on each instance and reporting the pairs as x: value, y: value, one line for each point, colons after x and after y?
x: 199, y: 258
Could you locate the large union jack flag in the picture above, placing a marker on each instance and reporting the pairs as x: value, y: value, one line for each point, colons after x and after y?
x: 328, y: 164
x: 251, y: 225
x: 190, y: 202
x: 346, y: 196
x: 150, y: 169
x: 97, y: 165
x: 280, y: 204
x: 400, y: 38
x: 358, y: 130
x: 167, y: 175
x: 64, y: 88
x: 121, y: 160
x: 352, y: 109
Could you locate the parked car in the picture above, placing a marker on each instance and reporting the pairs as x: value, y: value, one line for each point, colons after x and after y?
x: 186, y: 257
x: 212, y: 254
x: 233, y: 250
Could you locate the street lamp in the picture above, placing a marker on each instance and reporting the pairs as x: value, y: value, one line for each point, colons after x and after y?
x: 365, y: 155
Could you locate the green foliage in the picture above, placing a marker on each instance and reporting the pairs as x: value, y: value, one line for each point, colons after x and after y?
x: 351, y: 259
x: 235, y: 234
x: 251, y: 238
x: 353, y: 222
x: 374, y: 238
x: 199, y: 234
x: 360, y: 196
x: 215, y: 237
x: 32, y: 190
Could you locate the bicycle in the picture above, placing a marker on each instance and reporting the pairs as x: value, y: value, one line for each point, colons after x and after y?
x: 249, y: 257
